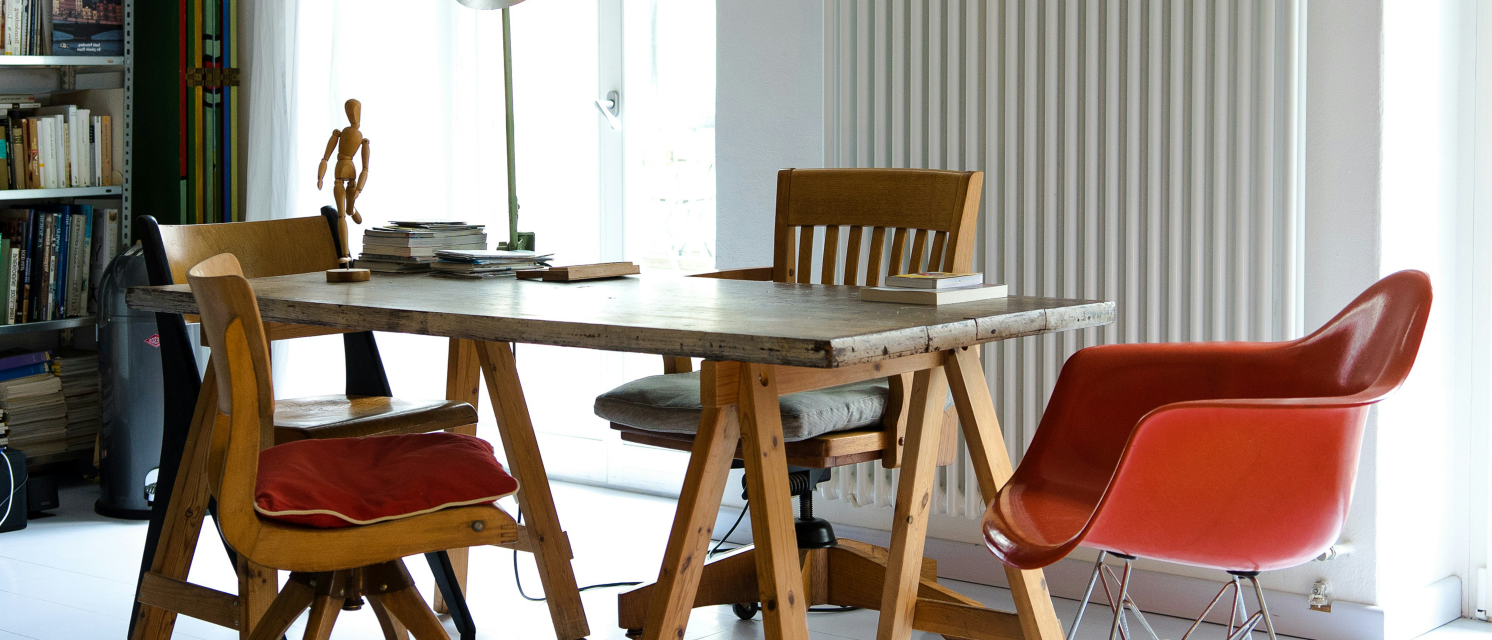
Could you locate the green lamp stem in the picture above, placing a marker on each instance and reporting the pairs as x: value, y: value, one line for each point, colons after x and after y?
x: 514, y: 240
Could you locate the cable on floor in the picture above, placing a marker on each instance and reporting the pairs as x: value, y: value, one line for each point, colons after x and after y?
x: 723, y: 538
x: 519, y: 581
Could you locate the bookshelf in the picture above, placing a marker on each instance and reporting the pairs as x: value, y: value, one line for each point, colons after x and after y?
x: 45, y: 75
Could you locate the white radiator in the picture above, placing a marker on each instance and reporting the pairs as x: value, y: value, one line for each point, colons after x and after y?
x: 1141, y: 151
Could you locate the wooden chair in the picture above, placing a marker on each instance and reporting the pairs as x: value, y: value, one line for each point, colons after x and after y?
x: 937, y: 212
x: 271, y: 248
x: 329, y: 565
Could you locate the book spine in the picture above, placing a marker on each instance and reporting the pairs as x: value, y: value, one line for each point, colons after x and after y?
x: 5, y: 154
x: 33, y: 155
x: 85, y: 258
x: 36, y: 299
x: 64, y: 233
x: 49, y: 282
x: 28, y: 260
x: 77, y: 266
x: 12, y: 291
x: 108, y: 152
x: 64, y: 164
x: 5, y: 273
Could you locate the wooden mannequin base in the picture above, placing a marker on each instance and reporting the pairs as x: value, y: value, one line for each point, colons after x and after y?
x: 849, y: 574
x: 348, y: 275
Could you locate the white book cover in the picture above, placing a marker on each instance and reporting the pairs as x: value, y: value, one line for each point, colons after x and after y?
x: 82, y: 155
x: 105, y: 241
x: 12, y: 26
x: 11, y: 294
x: 44, y: 152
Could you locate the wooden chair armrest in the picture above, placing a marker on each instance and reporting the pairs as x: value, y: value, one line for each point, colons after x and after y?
x: 760, y: 274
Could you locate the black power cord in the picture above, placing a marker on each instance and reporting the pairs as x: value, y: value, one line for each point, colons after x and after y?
x: 732, y: 530
x: 519, y: 581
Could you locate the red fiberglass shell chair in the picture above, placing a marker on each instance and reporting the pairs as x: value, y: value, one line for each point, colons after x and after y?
x: 1236, y: 456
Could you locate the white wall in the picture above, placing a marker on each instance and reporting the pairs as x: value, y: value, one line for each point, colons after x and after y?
x: 769, y: 115
x: 1342, y: 187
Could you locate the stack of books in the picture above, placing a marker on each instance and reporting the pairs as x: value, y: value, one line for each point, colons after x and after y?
x: 78, y: 370
x: 46, y: 270
x: 487, y: 264
x: 933, y: 288
x: 407, y: 246
x: 35, y: 408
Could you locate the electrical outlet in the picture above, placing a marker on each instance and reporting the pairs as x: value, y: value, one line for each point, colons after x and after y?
x: 1320, y: 598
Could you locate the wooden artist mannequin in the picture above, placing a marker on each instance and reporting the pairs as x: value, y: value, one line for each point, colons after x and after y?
x: 347, y: 183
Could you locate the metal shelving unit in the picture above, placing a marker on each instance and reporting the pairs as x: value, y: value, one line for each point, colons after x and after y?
x: 71, y: 192
x: 55, y: 62
x: 49, y: 325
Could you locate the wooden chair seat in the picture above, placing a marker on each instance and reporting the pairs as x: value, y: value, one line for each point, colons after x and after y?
x: 344, y: 416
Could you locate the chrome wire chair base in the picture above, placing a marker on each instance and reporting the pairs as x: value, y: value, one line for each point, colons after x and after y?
x: 1240, y: 624
x: 1119, y: 605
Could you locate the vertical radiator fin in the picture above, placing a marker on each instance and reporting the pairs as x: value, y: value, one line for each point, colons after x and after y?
x: 1141, y: 151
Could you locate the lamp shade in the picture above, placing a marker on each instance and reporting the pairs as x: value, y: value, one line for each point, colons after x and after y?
x: 488, y: 4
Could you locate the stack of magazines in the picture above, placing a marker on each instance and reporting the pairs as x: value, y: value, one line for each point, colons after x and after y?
x: 487, y: 264
x: 408, y: 246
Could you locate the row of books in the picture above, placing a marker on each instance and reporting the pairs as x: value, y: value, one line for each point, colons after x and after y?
x: 58, y: 147
x: 47, y: 260
x: 62, y: 27
x: 487, y: 264
x: 410, y: 246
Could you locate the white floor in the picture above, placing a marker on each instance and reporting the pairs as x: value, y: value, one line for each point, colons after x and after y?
x: 72, y: 575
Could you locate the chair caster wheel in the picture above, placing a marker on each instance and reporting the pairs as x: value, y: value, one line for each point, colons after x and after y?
x: 634, y: 633
x: 746, y: 610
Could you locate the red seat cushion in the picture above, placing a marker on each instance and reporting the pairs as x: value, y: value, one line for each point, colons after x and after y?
x: 341, y: 482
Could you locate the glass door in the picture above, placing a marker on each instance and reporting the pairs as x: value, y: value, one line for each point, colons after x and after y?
x: 648, y: 110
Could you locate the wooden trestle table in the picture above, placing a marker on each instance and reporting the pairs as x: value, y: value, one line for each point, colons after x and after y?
x: 758, y: 339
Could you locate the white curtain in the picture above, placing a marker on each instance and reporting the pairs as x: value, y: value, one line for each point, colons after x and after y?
x: 271, y: 72
x: 430, y: 84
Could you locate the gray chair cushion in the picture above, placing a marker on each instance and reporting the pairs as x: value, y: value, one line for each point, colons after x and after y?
x: 670, y: 403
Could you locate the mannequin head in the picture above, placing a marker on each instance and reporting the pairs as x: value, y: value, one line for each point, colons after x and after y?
x: 354, y: 112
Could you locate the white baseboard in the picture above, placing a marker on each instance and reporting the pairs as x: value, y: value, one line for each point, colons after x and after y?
x: 1173, y: 595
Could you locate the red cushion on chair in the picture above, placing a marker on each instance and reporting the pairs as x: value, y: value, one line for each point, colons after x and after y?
x: 341, y: 482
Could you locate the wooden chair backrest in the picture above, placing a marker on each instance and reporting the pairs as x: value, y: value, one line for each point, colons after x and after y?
x: 263, y: 249
x: 936, y: 210
x: 244, y: 419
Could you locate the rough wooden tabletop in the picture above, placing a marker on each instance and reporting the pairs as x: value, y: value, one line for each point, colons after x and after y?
x: 763, y: 322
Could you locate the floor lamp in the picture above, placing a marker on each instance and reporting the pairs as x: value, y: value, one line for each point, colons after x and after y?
x: 516, y: 239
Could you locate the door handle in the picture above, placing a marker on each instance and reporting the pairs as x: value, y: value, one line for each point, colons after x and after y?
x: 611, y: 107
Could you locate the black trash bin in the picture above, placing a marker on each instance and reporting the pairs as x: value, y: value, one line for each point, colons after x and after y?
x: 130, y: 390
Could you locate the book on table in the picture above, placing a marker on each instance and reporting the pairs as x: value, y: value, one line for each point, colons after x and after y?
x: 934, y: 280
x: 408, y: 247
x: 486, y: 264
x: 899, y: 295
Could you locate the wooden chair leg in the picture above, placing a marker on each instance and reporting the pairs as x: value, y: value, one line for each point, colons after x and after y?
x: 407, y: 605
x: 784, y: 605
x: 324, y: 610
x: 688, y: 541
x: 976, y: 413
x: 463, y: 384
x: 183, y: 522
x: 913, y: 504
x: 293, y: 599
x: 522, y: 447
x: 392, y: 628
x: 257, y: 588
